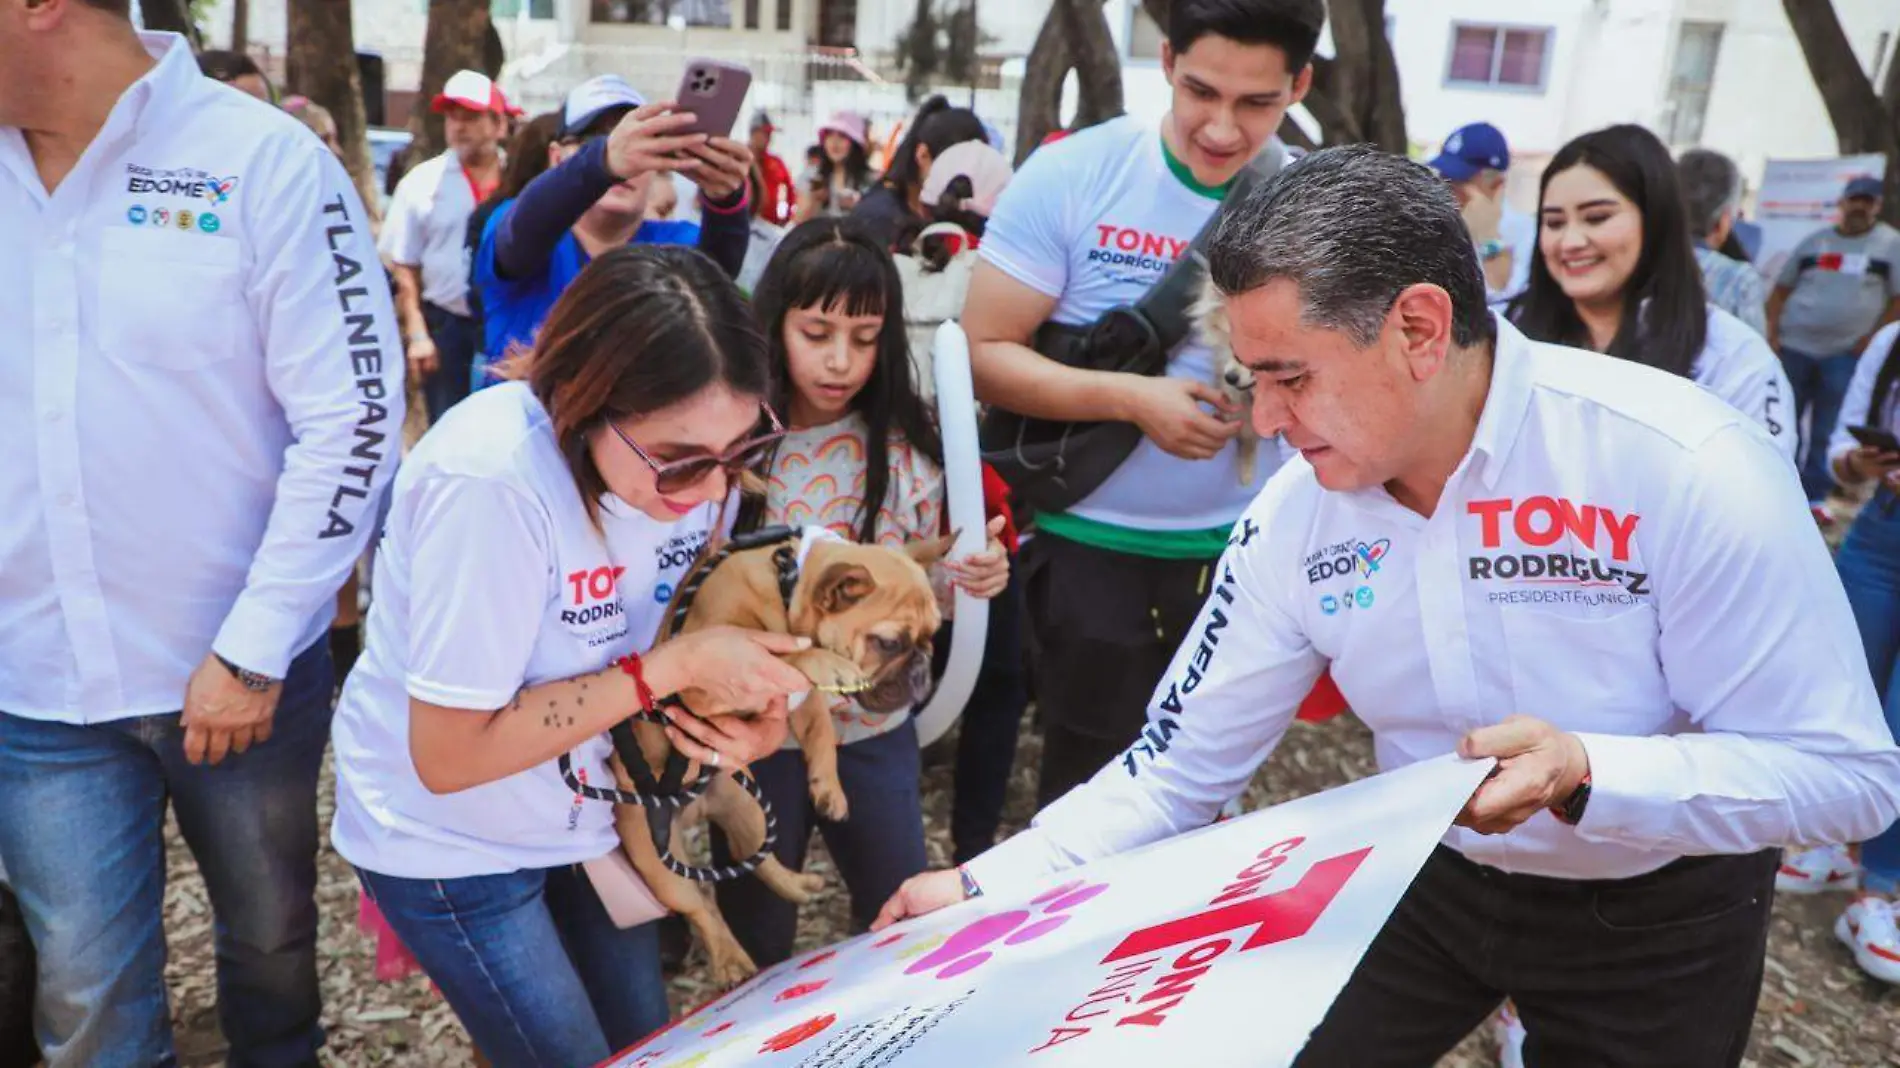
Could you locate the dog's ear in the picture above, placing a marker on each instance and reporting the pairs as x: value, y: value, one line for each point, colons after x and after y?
x: 841, y: 586
x: 929, y: 552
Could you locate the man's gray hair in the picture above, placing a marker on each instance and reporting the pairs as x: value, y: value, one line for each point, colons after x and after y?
x: 1354, y: 227
x: 1711, y: 184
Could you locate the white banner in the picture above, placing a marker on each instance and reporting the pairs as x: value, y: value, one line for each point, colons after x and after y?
x: 1800, y: 196
x: 1221, y: 947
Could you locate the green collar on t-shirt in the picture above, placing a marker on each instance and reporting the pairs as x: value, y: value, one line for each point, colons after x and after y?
x: 1186, y: 177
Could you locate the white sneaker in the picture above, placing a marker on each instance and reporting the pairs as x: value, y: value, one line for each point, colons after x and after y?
x: 1814, y: 871
x: 1869, y: 928
x: 1509, y: 1031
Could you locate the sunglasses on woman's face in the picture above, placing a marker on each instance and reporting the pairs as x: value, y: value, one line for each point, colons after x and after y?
x: 677, y: 476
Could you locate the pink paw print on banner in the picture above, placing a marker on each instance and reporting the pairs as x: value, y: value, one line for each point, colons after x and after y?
x: 968, y: 949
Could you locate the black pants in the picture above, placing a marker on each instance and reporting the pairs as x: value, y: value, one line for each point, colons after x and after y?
x: 1661, y: 970
x: 987, y: 730
x: 454, y: 337
x: 1103, y: 627
x: 17, y: 1048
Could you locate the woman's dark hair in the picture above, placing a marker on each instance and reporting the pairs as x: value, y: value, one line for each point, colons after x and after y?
x: 227, y: 67
x: 527, y: 155
x: 1665, y: 311
x: 641, y: 329
x: 1881, y: 399
x: 936, y: 127
x: 837, y: 261
x: 857, y: 164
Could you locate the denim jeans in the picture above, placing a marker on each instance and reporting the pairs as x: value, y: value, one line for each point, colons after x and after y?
x: 1820, y: 384
x: 454, y: 337
x: 876, y: 848
x: 531, y: 963
x: 1869, y: 563
x: 88, y: 864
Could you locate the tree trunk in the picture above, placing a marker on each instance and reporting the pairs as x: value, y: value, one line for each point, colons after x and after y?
x: 457, y: 34
x: 1862, y: 121
x: 240, y: 25
x: 1074, y: 36
x: 1039, y: 108
x: 1364, y: 82
x: 320, y: 62
x: 1098, y: 70
x: 171, y: 16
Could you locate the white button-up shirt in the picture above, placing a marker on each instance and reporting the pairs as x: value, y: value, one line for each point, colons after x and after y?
x: 427, y: 228
x: 1859, y: 407
x: 200, y: 398
x: 1619, y: 554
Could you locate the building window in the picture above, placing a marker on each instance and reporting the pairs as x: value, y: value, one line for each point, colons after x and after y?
x: 751, y: 14
x: 510, y: 9
x: 1697, y: 45
x: 838, y: 23
x: 658, y: 12
x: 784, y: 15
x: 1498, y: 56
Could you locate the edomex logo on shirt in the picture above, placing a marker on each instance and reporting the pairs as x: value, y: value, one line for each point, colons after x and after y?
x: 187, y: 182
x: 1522, y: 526
x: 1354, y: 556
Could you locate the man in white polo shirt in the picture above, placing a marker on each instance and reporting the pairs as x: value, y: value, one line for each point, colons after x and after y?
x: 1595, y: 572
x: 200, y: 395
x: 425, y: 237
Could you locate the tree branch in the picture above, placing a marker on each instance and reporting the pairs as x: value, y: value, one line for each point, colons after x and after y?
x: 1861, y: 124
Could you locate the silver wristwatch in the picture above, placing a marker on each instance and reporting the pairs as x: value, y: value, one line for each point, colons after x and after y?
x: 250, y: 680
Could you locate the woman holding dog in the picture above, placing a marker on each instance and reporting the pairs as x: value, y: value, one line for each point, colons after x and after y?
x: 533, y: 542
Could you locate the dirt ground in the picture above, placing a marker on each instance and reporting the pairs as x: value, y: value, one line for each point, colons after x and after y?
x: 1817, y: 1009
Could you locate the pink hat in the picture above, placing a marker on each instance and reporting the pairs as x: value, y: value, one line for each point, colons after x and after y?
x: 848, y: 123
x: 986, y: 168
x: 470, y: 89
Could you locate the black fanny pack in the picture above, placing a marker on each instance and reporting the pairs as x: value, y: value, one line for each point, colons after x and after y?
x: 1051, y: 465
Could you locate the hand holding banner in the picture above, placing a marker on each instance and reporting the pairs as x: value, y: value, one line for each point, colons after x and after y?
x: 1221, y: 947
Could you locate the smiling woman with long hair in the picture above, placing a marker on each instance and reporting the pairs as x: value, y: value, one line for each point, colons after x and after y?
x: 532, y: 539
x: 1616, y: 273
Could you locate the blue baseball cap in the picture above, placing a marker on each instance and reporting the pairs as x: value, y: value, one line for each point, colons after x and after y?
x: 595, y: 97
x: 1477, y: 147
x: 1864, y: 186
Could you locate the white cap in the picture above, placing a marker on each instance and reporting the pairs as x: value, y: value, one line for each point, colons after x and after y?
x: 588, y: 100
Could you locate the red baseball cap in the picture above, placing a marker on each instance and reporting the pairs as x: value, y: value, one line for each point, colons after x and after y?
x: 473, y: 90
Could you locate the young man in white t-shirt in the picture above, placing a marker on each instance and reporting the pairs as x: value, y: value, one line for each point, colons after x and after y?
x: 1091, y: 223
x: 425, y: 237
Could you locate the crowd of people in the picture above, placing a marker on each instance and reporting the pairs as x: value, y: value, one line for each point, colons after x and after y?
x: 1593, y: 447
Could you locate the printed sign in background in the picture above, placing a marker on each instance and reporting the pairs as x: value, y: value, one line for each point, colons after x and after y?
x: 1798, y: 197
x: 1221, y: 947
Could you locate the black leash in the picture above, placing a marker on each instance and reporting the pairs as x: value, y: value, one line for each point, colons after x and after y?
x: 666, y: 795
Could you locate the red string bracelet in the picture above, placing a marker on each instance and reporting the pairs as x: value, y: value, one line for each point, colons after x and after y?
x: 636, y: 670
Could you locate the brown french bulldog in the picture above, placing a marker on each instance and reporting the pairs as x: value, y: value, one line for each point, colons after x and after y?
x: 870, y: 614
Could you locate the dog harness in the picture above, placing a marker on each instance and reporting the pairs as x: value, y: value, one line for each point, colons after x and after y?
x: 669, y: 793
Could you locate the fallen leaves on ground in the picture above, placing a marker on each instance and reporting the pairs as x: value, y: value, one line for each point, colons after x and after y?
x: 1817, y: 1009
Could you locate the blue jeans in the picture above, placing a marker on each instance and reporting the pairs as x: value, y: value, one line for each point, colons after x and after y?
x: 876, y: 848
x: 1869, y: 563
x: 88, y: 864
x: 531, y: 963
x: 454, y: 337
x: 1820, y: 384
